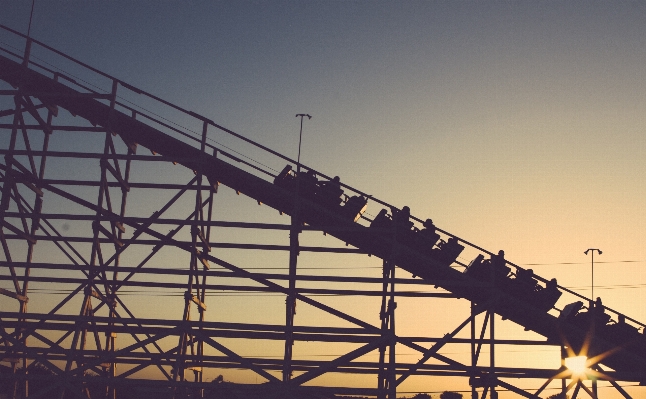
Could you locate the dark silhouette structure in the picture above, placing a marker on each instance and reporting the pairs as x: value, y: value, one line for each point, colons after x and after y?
x: 111, y: 241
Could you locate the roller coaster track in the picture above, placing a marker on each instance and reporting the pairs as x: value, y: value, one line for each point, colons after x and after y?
x: 624, y: 353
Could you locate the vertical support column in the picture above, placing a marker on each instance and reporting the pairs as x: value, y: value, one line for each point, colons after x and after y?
x: 387, y: 386
x: 563, y: 380
x: 381, y: 377
x: 290, y: 301
x: 8, y: 180
x: 492, y: 355
x: 474, y: 358
x: 195, y: 290
x: 492, y: 343
x: 200, y: 232
x: 6, y: 199
x: 392, y: 305
x: 34, y: 226
x: 110, y: 294
x: 79, y: 338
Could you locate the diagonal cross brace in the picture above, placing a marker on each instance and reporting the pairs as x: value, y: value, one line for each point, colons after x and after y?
x: 310, y: 375
x: 434, y: 349
x: 235, y: 356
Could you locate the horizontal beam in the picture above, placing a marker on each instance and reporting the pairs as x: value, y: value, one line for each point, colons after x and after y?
x: 216, y: 273
x: 182, y: 222
x: 216, y: 329
x: 355, y: 367
x: 187, y: 324
x: 226, y: 287
x: 263, y: 247
x: 140, y: 382
x: 57, y: 128
x: 90, y: 155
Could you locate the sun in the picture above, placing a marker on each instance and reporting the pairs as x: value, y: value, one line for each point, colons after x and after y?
x: 578, y: 365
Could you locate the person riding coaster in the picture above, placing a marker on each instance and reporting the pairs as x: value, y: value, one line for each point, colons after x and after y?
x: 424, y: 241
x: 326, y: 193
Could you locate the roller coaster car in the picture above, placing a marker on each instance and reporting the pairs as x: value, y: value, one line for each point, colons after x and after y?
x: 308, y: 185
x: 402, y: 220
x: 422, y: 241
x: 475, y: 266
x: 595, y: 316
x: 622, y: 331
x: 524, y: 285
x: 382, y: 220
x: 448, y: 251
x: 545, y: 298
x: 327, y: 193
x: 354, y: 207
x: 481, y: 269
x: 570, y: 311
x: 426, y: 238
x: 286, y: 179
x: 399, y: 223
x: 330, y: 193
x: 304, y: 183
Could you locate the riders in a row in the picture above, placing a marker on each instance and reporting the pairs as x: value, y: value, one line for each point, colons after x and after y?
x: 427, y: 241
x: 325, y: 192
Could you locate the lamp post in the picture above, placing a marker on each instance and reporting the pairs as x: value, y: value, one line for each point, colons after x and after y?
x: 586, y: 252
x: 300, y: 139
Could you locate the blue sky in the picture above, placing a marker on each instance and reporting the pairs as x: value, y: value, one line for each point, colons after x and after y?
x: 515, y: 125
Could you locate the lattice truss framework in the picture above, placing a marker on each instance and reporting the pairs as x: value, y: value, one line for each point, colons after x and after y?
x: 85, y: 219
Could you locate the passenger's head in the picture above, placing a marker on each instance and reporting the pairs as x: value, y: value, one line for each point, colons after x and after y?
x: 336, y: 179
x: 428, y: 223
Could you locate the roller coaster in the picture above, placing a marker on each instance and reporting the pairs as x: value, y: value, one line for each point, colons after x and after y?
x: 79, y: 349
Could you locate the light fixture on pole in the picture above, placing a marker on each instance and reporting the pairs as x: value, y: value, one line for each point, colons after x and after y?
x: 586, y: 252
x: 300, y: 139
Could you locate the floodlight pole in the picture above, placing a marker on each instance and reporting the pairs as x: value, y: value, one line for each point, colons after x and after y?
x: 300, y: 139
x: 586, y: 252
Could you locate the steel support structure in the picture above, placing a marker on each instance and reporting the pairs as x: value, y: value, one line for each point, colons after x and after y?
x: 78, y: 238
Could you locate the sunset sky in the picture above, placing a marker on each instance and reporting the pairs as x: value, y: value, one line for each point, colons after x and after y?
x: 515, y: 125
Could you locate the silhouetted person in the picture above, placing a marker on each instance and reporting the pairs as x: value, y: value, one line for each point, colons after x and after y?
x: 429, y: 226
x: 331, y: 185
x: 498, y: 261
x: 285, y: 178
x: 598, y: 306
x: 427, y: 237
x: 403, y: 226
x: 498, y: 265
x: 402, y: 217
x: 331, y: 191
x: 551, y: 285
x: 547, y: 297
x: 450, y: 250
x: 308, y: 183
x: 381, y: 220
x: 526, y: 279
x: 499, y: 258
